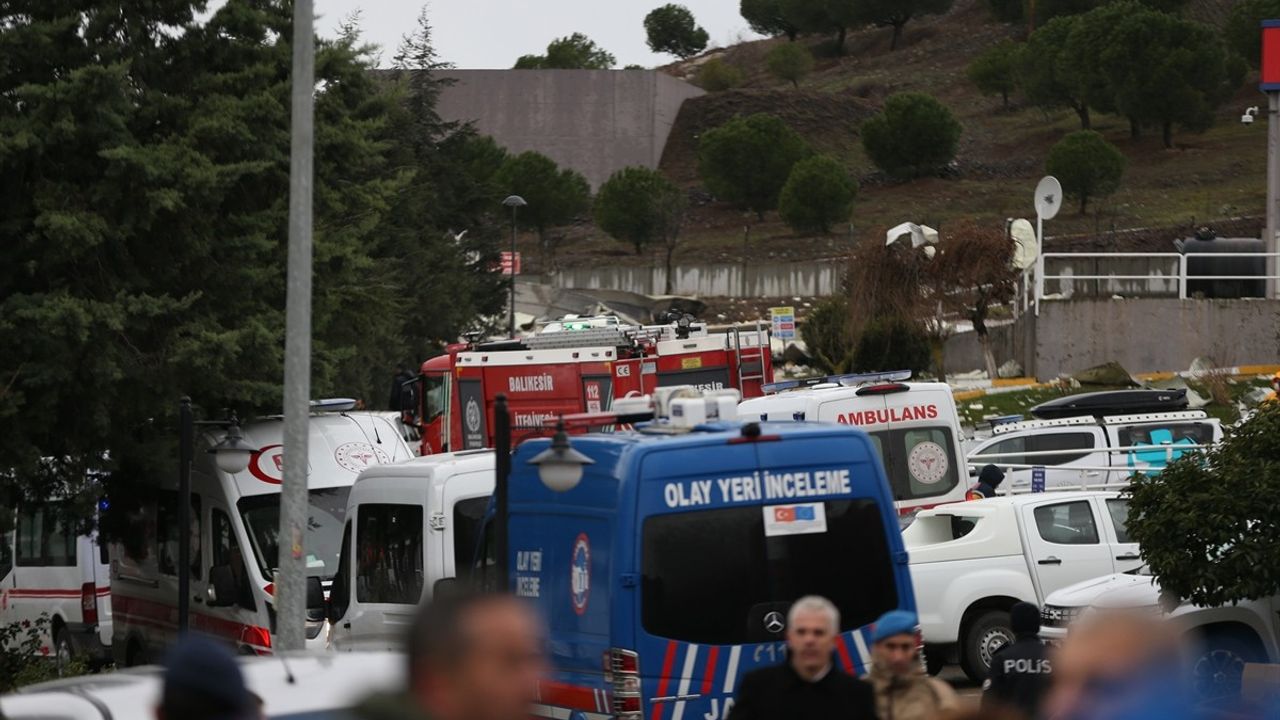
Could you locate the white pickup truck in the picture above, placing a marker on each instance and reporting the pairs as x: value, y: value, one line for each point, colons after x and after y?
x: 971, y: 561
x: 1221, y: 639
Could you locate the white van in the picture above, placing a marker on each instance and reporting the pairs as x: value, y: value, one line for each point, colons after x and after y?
x: 914, y: 425
x: 1090, y: 452
x: 47, y: 569
x: 409, y: 527
x: 233, y: 537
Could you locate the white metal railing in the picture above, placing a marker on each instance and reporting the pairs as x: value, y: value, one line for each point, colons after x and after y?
x: 1181, y: 277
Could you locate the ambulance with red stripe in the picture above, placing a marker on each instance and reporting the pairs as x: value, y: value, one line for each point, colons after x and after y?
x: 48, y: 570
x: 576, y: 365
x: 913, y: 426
x: 666, y: 572
x: 235, y: 522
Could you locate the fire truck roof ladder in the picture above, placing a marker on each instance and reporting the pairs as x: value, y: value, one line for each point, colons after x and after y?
x: 589, y: 337
x: 751, y: 360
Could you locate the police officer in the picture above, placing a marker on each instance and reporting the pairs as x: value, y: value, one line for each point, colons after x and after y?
x: 1021, y: 672
x: 988, y: 480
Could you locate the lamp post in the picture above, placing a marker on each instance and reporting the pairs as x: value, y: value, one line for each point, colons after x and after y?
x: 232, y: 455
x: 515, y: 202
x: 502, y: 480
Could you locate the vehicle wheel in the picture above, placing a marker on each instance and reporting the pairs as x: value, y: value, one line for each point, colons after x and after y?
x: 1218, y: 668
x: 987, y: 634
x: 63, y: 650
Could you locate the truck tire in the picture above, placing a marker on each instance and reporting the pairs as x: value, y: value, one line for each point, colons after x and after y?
x: 988, y: 633
x: 1217, y: 667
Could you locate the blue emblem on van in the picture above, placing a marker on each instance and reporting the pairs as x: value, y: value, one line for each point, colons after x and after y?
x: 580, y: 568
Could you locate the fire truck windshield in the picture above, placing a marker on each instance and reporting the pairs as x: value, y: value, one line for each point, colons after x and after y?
x: 435, y: 395
x: 706, y: 573
x: 328, y: 507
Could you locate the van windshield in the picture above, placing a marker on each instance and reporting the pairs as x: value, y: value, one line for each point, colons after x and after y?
x: 712, y: 576
x: 328, y: 508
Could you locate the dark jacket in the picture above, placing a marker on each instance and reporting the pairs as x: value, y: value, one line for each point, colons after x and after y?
x: 778, y: 693
x: 988, y: 481
x: 1021, y: 673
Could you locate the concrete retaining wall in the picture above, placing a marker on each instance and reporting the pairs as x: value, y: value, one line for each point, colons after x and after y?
x: 594, y: 121
x: 803, y: 279
x: 1152, y: 334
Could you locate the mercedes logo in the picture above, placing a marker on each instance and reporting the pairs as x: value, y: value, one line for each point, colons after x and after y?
x: 774, y: 622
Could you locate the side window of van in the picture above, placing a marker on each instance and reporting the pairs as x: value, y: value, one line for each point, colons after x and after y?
x: 6, y: 554
x: 340, y: 594
x: 468, y: 519
x: 167, y: 534
x: 43, y: 541
x: 1069, y: 523
x: 1007, y: 452
x: 1118, y: 508
x: 1084, y: 441
x: 389, y: 554
x: 226, y: 551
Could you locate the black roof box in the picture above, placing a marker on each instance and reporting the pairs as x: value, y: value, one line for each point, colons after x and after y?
x: 1112, y: 402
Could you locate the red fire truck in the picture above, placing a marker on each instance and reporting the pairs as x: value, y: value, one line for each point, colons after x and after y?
x: 577, y: 365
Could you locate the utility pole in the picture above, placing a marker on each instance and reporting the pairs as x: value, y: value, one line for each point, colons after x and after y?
x: 290, y: 580
x: 1270, y: 244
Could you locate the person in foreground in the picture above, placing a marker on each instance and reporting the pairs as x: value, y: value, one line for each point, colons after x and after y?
x: 808, y: 685
x: 903, y: 691
x: 1021, y: 672
x: 203, y: 682
x: 471, y: 656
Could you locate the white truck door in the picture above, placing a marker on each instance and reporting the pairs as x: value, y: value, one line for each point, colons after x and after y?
x: 1077, y: 455
x: 1007, y: 450
x: 1065, y: 543
x: 1124, y: 550
x: 390, y: 573
x: 466, y: 499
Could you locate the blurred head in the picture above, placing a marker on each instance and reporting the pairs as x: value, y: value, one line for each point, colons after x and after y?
x: 991, y: 475
x: 203, y: 682
x: 475, y: 657
x: 1111, y: 663
x: 812, y: 625
x: 895, y: 646
x: 1024, y: 619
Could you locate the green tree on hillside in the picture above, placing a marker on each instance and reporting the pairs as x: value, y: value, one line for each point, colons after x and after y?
x: 827, y: 335
x: 993, y: 72
x: 819, y: 192
x: 1167, y: 71
x: 641, y: 206
x: 747, y: 160
x: 1242, y: 30
x: 555, y: 196
x: 822, y: 16
x: 1207, y: 523
x: 1087, y: 165
x: 766, y: 18
x: 672, y: 29
x: 912, y: 135
x: 717, y: 75
x: 572, y: 52
x: 897, y: 13
x: 790, y: 62
x: 1040, y: 70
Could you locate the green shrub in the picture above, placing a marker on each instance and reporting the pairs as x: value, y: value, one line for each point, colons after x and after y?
x: 818, y: 193
x: 892, y: 343
x: 912, y: 135
x: 790, y: 62
x: 1086, y: 165
x: 716, y: 75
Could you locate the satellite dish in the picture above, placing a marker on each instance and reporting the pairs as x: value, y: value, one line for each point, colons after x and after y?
x: 1048, y: 197
x: 920, y: 234
x: 1025, y: 245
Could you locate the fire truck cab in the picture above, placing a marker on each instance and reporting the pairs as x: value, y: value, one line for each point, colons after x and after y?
x: 577, y: 365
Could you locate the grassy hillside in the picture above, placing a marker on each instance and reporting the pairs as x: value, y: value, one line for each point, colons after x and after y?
x: 1208, y: 177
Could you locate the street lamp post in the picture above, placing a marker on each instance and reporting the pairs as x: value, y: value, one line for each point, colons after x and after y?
x: 515, y: 202
x: 232, y: 455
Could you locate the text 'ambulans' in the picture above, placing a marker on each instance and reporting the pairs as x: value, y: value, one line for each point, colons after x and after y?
x: 759, y: 485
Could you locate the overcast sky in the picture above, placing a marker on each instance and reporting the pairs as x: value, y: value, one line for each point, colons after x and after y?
x: 493, y: 33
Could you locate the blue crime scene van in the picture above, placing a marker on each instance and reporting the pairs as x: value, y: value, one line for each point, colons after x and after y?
x: 666, y: 573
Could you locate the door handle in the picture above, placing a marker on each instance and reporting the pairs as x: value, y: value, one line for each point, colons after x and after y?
x: 1051, y: 560
x: 197, y: 599
x: 1128, y: 557
x: 346, y: 626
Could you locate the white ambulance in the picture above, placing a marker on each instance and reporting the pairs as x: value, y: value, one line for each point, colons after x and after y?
x: 410, y: 528
x: 914, y: 426
x: 47, y: 570
x: 234, y: 547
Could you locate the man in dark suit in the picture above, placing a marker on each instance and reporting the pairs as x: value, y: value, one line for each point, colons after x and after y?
x: 808, y: 686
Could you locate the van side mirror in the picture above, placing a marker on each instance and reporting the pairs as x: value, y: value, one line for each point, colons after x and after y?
x: 443, y: 587
x: 222, y: 586
x: 315, y: 593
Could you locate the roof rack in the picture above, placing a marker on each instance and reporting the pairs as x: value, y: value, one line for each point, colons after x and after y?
x: 1032, y: 424
x: 1108, y: 420
x: 1154, y: 417
x: 847, y: 380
